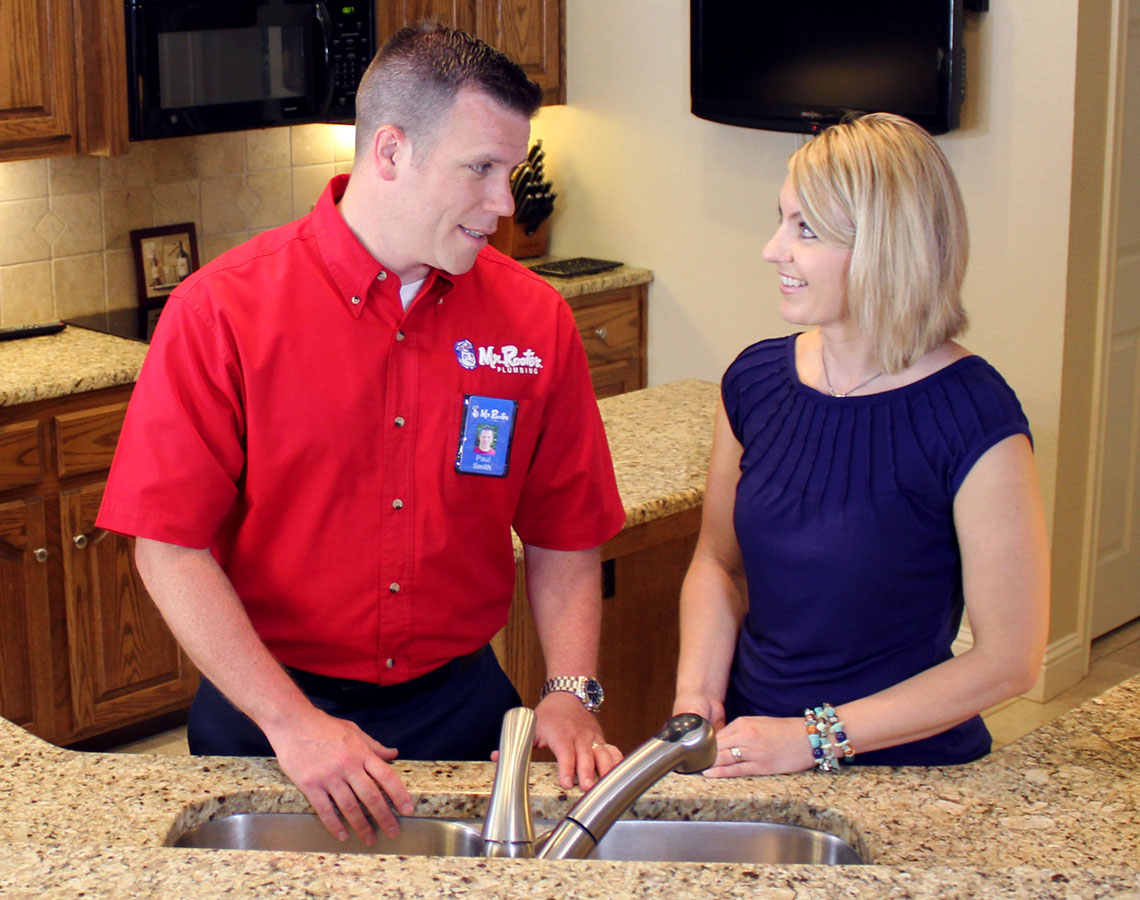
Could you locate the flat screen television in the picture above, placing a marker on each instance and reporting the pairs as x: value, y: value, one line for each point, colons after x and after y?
x: 786, y: 66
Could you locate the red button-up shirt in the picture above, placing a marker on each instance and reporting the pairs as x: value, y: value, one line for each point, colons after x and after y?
x: 292, y: 417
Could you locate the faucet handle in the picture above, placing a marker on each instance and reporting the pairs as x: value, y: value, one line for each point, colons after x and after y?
x: 508, y: 830
x: 696, y: 735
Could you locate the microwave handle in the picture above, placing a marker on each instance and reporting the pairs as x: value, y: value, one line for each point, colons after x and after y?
x: 324, y: 22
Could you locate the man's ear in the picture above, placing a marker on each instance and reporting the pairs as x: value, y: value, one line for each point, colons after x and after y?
x: 389, y: 145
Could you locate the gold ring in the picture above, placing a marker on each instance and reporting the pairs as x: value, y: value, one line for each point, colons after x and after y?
x: 735, y: 751
x: 596, y: 745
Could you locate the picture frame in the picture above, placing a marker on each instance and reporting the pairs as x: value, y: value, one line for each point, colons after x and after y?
x: 164, y: 256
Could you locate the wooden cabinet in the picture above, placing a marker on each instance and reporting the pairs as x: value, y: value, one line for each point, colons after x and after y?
x: 643, y: 567
x: 83, y: 650
x: 612, y: 325
x: 25, y: 642
x: 531, y: 32
x: 37, y: 77
x: 62, y: 78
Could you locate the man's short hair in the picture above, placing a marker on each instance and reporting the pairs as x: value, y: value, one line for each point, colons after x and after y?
x: 879, y: 186
x: 414, y: 80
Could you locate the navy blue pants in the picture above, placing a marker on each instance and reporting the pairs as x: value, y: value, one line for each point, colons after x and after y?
x: 454, y: 712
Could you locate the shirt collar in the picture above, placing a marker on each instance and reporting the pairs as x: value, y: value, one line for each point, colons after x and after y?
x: 352, y: 267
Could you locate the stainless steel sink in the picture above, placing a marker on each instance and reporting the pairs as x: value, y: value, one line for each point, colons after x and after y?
x: 628, y: 839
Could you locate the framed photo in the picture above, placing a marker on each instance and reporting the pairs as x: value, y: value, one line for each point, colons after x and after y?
x: 163, y: 257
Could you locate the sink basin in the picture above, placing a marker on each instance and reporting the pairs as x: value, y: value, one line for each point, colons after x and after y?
x: 628, y: 839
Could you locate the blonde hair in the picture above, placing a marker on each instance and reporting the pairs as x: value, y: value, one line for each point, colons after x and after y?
x: 880, y: 187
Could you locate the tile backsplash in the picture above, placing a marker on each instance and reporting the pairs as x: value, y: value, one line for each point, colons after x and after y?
x: 65, y: 222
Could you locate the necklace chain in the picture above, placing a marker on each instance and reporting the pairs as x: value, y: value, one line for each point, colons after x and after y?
x: 831, y: 390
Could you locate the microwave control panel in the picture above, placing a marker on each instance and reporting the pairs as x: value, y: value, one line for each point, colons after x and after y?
x: 352, y: 46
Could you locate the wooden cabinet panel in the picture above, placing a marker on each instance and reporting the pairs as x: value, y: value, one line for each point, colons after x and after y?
x: 83, y: 649
x: 125, y: 665
x: 531, y: 32
x: 613, y: 329
x: 37, y: 77
x: 392, y: 15
x: 21, y: 454
x: 25, y: 635
x: 85, y: 440
x: 637, y: 655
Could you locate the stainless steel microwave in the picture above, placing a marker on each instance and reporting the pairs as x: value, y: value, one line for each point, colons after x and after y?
x: 202, y: 66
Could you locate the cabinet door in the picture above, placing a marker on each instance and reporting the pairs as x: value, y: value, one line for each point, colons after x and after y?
x: 37, y: 78
x: 392, y: 15
x: 528, y: 31
x: 25, y: 635
x: 531, y: 33
x: 125, y: 664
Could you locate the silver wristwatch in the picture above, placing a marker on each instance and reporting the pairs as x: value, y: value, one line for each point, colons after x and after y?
x: 583, y: 687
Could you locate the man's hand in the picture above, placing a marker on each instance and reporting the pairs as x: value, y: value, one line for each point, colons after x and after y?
x: 575, y: 737
x: 338, y: 766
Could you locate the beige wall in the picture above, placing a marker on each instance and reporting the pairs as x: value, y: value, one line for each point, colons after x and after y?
x: 65, y: 222
x: 643, y: 180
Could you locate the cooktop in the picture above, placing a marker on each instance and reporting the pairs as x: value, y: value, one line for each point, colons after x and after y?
x: 134, y: 322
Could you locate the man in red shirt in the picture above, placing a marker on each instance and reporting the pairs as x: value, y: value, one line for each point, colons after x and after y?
x: 298, y: 461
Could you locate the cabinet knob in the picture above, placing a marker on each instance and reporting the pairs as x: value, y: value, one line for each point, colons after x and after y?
x: 41, y: 554
x: 82, y: 540
x: 602, y: 332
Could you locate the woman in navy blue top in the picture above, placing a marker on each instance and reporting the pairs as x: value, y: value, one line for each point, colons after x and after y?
x: 869, y: 480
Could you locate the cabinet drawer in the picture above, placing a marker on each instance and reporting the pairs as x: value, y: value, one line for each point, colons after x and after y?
x: 611, y: 331
x: 85, y: 440
x: 21, y: 454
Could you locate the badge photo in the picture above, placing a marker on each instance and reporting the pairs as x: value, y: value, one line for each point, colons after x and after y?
x: 488, y: 425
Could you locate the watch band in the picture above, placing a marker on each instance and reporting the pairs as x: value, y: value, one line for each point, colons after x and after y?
x: 583, y: 687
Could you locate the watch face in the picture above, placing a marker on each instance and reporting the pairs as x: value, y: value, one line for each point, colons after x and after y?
x: 594, y: 694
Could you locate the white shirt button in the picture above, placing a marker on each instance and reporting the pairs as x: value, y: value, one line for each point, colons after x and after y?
x: 394, y: 587
x: 390, y: 662
x: 399, y: 335
x: 400, y: 420
x: 381, y: 277
x: 397, y: 503
x: 355, y: 301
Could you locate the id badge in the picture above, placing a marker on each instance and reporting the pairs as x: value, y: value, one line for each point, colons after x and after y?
x: 485, y: 436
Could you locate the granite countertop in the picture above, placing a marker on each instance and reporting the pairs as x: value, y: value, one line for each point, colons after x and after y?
x: 76, y: 359
x: 70, y: 362
x: 1054, y: 815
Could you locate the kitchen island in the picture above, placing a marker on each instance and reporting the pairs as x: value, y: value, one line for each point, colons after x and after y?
x: 1053, y: 815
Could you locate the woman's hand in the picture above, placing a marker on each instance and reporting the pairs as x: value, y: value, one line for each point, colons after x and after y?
x: 763, y: 746
x: 703, y: 705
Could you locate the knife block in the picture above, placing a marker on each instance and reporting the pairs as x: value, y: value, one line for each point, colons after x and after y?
x: 511, y: 238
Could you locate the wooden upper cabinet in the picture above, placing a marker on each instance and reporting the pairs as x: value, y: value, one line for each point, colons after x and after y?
x: 62, y: 78
x: 531, y: 32
x: 37, y: 78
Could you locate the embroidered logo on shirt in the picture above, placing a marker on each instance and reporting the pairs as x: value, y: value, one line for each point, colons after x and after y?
x: 465, y: 353
x: 506, y: 358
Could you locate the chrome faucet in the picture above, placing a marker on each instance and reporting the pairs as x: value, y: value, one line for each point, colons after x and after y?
x: 686, y: 744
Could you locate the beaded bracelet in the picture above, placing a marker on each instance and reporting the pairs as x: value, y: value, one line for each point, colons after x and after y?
x: 827, y: 738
